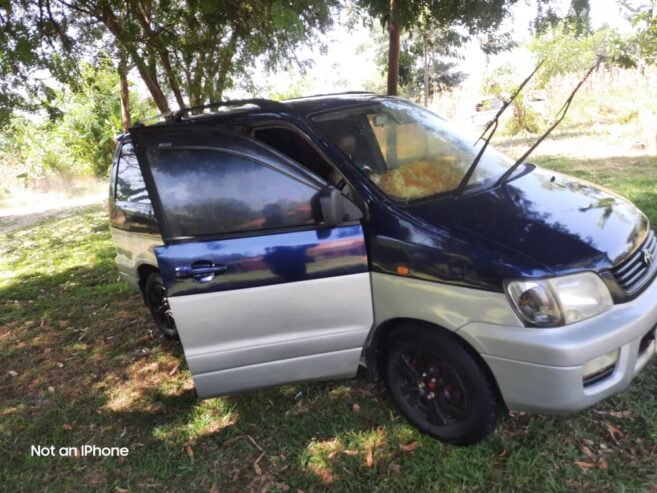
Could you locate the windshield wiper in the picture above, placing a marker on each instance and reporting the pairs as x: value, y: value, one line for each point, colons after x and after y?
x: 492, y: 126
x: 561, y: 114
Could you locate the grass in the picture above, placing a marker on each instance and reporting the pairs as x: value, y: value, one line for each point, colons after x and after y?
x: 80, y: 364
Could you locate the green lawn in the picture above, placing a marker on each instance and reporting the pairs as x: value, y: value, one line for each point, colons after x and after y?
x: 79, y: 364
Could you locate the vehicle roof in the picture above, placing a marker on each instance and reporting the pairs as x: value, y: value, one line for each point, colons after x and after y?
x: 313, y: 104
x: 303, y: 106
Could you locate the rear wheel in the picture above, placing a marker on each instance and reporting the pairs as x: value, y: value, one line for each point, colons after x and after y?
x: 158, y: 304
x: 440, y: 385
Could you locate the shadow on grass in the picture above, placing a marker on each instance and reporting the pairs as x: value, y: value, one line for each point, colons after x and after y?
x: 79, y: 363
x: 89, y: 369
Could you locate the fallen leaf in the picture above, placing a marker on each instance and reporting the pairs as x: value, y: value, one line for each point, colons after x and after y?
x: 12, y: 373
x: 621, y: 414
x: 356, y: 408
x: 613, y: 431
x: 585, y: 465
x: 350, y: 452
x: 366, y: 392
x: 602, y: 464
x: 281, y: 486
x: 121, y: 490
x: 409, y: 447
x: 51, y: 389
x: 587, y: 452
x: 502, y: 454
x: 189, y: 451
x: 214, y: 489
x: 257, y: 469
x: 67, y: 427
x: 369, y: 458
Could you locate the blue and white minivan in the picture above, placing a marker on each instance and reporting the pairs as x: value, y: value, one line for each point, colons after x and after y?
x: 291, y: 241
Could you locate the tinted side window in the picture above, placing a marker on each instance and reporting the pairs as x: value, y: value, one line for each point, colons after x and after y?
x: 208, y: 192
x: 130, y: 186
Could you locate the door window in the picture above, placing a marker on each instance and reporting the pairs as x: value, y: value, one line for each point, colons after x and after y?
x: 208, y: 192
x: 130, y: 186
x: 131, y: 208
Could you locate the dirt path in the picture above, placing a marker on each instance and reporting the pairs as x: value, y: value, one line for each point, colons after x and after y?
x: 15, y: 218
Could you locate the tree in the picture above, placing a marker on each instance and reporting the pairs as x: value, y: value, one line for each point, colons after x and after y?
x: 192, y: 50
x: 427, y: 61
x: 472, y: 17
x: 81, y: 140
x: 642, y: 46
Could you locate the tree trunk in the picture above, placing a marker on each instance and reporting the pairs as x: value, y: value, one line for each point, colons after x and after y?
x: 124, y: 93
x: 149, y: 77
x: 426, y: 69
x: 393, y: 51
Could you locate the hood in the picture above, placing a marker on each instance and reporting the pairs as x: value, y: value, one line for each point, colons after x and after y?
x: 564, y: 223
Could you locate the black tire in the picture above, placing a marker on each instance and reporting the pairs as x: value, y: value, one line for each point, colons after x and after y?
x: 440, y: 385
x: 155, y: 295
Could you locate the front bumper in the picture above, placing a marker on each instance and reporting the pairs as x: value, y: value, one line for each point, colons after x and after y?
x: 541, y: 370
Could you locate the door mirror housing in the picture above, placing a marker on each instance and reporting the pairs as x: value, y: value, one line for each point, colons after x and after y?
x: 331, y: 206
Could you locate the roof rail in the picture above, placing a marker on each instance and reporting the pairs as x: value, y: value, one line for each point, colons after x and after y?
x: 176, y: 116
x: 331, y: 94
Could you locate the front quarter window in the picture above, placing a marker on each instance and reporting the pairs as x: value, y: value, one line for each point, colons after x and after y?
x: 407, y: 151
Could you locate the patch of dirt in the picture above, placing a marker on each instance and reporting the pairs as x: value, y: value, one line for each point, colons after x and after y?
x: 21, y: 217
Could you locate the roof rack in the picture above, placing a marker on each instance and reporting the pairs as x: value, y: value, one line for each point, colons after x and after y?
x: 176, y: 116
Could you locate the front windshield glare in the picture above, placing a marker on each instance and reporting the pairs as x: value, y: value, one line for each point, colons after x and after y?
x: 407, y: 151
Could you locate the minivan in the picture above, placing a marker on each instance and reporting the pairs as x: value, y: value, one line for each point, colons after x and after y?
x: 285, y: 242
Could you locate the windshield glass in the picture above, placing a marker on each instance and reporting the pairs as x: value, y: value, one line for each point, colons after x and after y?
x: 407, y: 151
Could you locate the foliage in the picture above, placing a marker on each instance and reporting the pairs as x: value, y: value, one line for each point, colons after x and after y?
x: 502, y: 82
x: 442, y: 51
x: 576, y: 22
x: 641, y: 47
x: 82, y: 139
x: 563, y: 51
x: 473, y: 17
x: 192, y: 49
x: 25, y: 61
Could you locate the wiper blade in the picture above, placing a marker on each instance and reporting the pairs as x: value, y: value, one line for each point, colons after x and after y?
x: 561, y: 114
x: 492, y: 126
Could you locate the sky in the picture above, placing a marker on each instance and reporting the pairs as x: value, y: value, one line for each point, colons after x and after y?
x: 349, y: 62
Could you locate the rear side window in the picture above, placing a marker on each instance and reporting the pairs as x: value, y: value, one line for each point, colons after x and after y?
x: 130, y: 186
x: 209, y: 192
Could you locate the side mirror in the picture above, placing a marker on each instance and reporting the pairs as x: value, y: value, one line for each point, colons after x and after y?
x: 331, y: 206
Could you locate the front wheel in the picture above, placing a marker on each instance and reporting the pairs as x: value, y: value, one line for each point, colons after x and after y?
x: 440, y: 385
x: 158, y: 304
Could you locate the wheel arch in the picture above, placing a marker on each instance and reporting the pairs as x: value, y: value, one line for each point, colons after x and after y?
x: 143, y: 271
x: 376, y: 343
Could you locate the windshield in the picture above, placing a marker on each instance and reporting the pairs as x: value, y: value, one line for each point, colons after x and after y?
x: 407, y: 151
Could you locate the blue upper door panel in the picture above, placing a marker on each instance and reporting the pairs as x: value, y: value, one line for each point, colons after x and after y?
x: 262, y: 291
x: 252, y: 261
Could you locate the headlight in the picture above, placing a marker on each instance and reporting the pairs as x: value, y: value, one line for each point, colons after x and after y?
x: 559, y: 300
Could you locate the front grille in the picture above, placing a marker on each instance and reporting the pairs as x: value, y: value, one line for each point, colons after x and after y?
x: 637, y: 270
